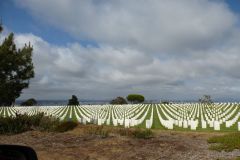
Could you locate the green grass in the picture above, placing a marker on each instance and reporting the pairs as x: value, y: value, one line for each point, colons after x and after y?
x: 227, y: 142
x: 156, y: 122
x: 238, y: 158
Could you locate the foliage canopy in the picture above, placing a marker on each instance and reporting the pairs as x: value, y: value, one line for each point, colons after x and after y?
x: 119, y: 100
x: 73, y: 100
x: 29, y: 102
x: 135, y: 98
x: 16, y: 69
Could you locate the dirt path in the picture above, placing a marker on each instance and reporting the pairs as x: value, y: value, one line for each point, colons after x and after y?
x: 75, y: 145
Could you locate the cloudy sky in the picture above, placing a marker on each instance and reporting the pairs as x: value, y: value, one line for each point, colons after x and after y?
x: 100, y: 49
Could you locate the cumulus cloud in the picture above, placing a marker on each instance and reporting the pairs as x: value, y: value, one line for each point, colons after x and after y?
x: 163, y: 49
x: 103, y: 72
x: 155, y: 25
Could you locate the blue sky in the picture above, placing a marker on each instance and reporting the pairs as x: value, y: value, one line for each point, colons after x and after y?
x: 99, y: 50
x: 234, y: 5
x: 19, y: 20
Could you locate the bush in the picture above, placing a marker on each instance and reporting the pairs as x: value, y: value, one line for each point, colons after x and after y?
x: 165, y: 102
x: 22, y: 123
x: 29, y: 102
x: 36, y: 119
x: 136, y: 133
x: 135, y: 98
x: 142, y: 133
x: 19, y: 123
x: 66, y: 126
x: 48, y: 123
x: 13, y: 125
x: 118, y: 100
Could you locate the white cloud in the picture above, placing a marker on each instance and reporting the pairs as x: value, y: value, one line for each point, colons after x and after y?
x: 102, y: 72
x: 177, y: 49
x: 153, y: 25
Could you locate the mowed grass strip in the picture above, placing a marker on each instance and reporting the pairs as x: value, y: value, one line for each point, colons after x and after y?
x: 227, y: 142
x: 156, y: 122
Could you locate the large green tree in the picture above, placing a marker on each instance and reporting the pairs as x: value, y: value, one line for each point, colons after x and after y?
x: 16, y: 69
x: 135, y: 98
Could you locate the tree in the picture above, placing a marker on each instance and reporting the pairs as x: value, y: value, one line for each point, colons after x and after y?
x: 29, y: 102
x: 1, y: 27
x: 16, y: 69
x: 135, y: 98
x: 118, y: 100
x: 165, y: 102
x: 206, y: 99
x: 73, y: 100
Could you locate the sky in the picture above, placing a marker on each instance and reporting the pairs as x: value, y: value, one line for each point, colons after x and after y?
x: 101, y: 49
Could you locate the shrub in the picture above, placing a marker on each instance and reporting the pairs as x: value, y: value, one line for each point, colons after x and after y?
x: 136, y: 133
x: 36, y: 119
x: 165, y: 102
x: 29, y: 102
x: 48, y: 123
x: 66, y: 126
x: 21, y: 123
x: 142, y: 133
x: 118, y: 100
x: 13, y: 125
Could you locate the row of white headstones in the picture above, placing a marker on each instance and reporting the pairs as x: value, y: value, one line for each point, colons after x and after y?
x: 181, y: 115
x: 191, y: 116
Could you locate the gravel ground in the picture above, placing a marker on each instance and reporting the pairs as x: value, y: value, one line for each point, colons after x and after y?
x: 75, y: 145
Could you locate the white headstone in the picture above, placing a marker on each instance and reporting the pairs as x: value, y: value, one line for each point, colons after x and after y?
x: 204, y: 124
x: 216, y: 126
x: 185, y: 124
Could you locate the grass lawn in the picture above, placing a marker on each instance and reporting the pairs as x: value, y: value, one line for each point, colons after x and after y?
x: 227, y: 142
